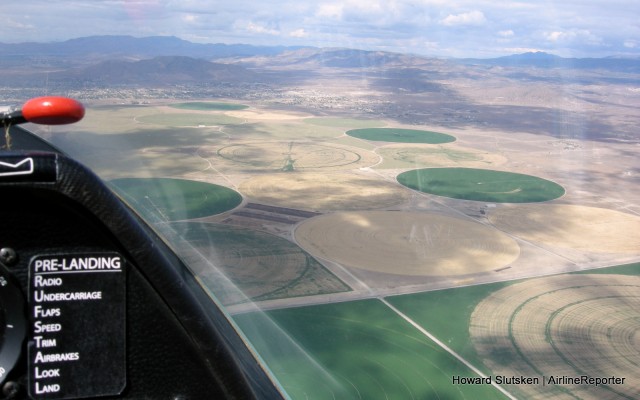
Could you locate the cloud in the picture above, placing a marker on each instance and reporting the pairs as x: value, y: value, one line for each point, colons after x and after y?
x: 330, y: 10
x: 364, y: 14
x: 143, y: 9
x: 298, y: 33
x: 468, y: 18
x: 520, y: 50
x: 555, y: 36
x: 260, y: 29
x: 13, y: 24
x: 459, y: 27
x: 189, y: 18
x: 583, y: 36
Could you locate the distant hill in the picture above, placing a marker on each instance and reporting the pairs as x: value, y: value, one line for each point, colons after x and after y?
x: 166, y: 60
x: 346, y: 58
x: 546, y: 60
x: 336, y: 58
x: 109, y: 47
x: 89, y: 50
x: 158, y: 70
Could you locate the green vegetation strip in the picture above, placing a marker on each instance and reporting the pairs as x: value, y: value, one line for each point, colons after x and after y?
x: 446, y: 315
x: 168, y: 199
x: 401, y: 135
x: 209, y: 106
x: 355, y: 350
x: 481, y: 185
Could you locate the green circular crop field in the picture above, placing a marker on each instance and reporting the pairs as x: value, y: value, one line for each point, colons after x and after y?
x: 481, y: 185
x: 175, y: 199
x: 401, y: 135
x: 209, y: 106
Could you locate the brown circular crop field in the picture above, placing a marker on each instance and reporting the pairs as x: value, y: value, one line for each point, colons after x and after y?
x: 261, y: 266
x: 332, y: 191
x: 290, y: 155
x: 575, y: 227
x: 569, y: 325
x: 406, y: 243
x: 450, y: 155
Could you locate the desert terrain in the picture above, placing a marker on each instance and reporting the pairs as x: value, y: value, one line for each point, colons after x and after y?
x: 346, y: 229
x: 293, y: 151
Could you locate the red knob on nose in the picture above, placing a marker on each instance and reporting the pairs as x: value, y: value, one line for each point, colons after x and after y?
x: 53, y: 110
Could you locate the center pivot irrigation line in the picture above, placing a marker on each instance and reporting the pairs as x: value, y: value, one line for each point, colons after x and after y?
x: 445, y: 347
x: 215, y: 169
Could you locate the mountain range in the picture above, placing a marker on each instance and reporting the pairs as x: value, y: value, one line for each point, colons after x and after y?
x: 97, y: 47
x: 129, y: 47
x: 166, y: 69
x: 158, y: 60
x: 546, y: 60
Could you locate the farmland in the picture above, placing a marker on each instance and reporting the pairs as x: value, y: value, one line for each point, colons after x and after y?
x: 378, y: 265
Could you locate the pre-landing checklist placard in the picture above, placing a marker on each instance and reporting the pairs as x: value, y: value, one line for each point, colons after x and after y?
x: 77, y: 306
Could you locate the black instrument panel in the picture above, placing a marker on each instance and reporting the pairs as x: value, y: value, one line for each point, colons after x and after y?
x: 12, y: 322
x: 93, y: 304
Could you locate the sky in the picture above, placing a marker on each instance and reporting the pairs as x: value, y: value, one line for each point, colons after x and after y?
x: 445, y: 28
